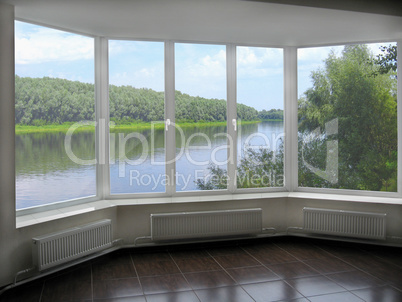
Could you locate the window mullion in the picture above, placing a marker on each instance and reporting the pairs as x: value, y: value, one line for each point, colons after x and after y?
x: 290, y: 127
x: 231, y: 115
x: 170, y: 134
x: 102, y: 117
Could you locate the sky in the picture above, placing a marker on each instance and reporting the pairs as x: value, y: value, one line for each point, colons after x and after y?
x: 200, y: 69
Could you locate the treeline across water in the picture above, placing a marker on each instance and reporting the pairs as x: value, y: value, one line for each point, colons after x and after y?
x: 43, y: 101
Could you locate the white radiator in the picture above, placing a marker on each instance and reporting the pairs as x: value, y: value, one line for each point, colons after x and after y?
x: 61, y: 247
x: 345, y: 223
x: 187, y: 225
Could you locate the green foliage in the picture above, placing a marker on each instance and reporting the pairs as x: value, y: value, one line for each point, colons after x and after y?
x: 43, y: 101
x: 387, y: 60
x: 273, y: 114
x: 365, y: 107
x: 258, y: 168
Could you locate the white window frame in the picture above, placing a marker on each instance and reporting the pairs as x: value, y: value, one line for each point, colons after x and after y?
x: 365, y: 193
x: 290, y: 127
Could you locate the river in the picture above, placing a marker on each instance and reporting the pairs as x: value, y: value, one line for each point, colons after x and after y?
x: 45, y: 173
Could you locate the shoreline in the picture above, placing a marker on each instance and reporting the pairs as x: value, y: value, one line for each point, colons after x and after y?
x: 63, y: 128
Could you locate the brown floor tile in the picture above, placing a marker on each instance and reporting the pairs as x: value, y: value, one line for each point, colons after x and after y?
x: 367, y: 262
x: 355, y: 280
x: 125, y: 299
x: 155, y: 267
x: 345, y: 296
x: 314, y: 286
x: 236, y: 260
x: 191, y: 253
x: 259, y: 247
x: 292, y: 270
x: 379, y: 294
x: 209, y: 279
x: 254, y: 274
x: 197, y: 264
x: 116, y: 288
x: 271, y: 291
x: 114, y: 267
x: 26, y: 293
x: 150, y: 256
x: 231, y: 293
x: 189, y: 296
x: 164, y: 284
x: 225, y: 250
x: 305, y: 251
x: 329, y: 265
x: 341, y: 251
x: 389, y: 254
x: 379, y: 268
x: 75, y: 285
x: 272, y: 255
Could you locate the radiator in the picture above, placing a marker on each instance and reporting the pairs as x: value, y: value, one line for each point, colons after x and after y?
x: 61, y: 247
x: 345, y: 223
x: 167, y: 226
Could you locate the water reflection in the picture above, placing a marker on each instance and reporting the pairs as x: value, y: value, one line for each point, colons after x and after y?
x: 45, y: 174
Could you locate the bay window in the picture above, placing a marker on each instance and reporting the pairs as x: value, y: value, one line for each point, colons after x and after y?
x: 188, y: 119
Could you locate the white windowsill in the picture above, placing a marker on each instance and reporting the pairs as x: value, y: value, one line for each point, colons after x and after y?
x: 46, y: 216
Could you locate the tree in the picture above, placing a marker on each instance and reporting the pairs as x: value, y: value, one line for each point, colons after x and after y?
x: 365, y: 109
x: 387, y: 60
x: 258, y: 168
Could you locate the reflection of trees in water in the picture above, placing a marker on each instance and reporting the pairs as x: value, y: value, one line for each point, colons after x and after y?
x: 41, y: 153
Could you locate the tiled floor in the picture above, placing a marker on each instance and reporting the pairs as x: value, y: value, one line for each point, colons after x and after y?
x: 273, y: 269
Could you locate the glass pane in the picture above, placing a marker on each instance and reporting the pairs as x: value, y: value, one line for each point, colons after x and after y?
x: 201, y: 132
x: 136, y: 103
x: 260, y: 117
x: 348, y: 117
x: 54, y: 90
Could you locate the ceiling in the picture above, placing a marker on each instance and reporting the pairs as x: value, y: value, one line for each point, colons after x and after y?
x: 229, y: 21
x: 386, y: 7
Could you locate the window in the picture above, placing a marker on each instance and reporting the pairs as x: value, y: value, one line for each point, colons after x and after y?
x: 224, y: 105
x: 200, y: 108
x: 136, y: 105
x: 348, y: 117
x: 260, y: 115
x: 54, y: 90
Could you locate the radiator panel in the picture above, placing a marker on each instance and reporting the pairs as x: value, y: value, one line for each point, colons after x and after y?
x: 168, y: 226
x: 345, y: 223
x: 61, y: 247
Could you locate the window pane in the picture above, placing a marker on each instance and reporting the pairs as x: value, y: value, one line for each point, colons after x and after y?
x: 136, y: 100
x: 260, y: 117
x: 53, y: 90
x: 201, y: 139
x: 348, y: 117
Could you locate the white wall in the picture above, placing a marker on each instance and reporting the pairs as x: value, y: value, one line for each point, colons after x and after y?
x: 8, y: 246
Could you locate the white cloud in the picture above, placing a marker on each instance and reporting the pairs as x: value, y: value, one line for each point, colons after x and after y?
x: 209, y: 66
x: 315, y: 54
x: 258, y: 56
x: 48, y: 45
x: 256, y: 62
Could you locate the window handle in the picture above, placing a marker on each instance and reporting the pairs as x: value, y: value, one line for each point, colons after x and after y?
x: 234, y: 123
x: 167, y: 124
